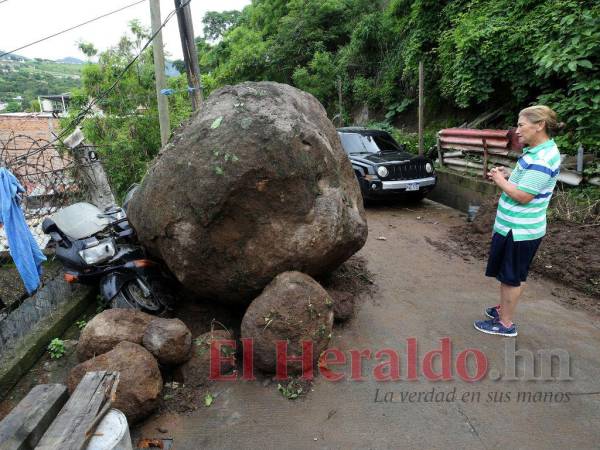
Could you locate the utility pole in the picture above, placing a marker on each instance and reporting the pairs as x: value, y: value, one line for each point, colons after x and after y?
x: 159, y: 72
x: 421, y: 107
x: 190, y: 53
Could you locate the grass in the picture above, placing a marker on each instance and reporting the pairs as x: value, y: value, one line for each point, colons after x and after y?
x: 580, y: 205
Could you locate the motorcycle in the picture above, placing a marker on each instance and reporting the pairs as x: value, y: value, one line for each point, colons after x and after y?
x: 100, y: 247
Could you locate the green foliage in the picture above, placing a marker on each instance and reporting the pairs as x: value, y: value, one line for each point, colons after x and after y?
x: 217, y: 23
x: 31, y: 78
x: 478, y: 55
x: 13, y: 106
x: 127, y: 132
x: 81, y: 324
x: 56, y: 348
x: 291, y: 390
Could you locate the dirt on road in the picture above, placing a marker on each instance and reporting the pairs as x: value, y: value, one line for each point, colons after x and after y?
x: 427, y: 288
x: 569, y: 253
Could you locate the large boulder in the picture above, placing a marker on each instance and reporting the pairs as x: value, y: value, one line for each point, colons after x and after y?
x: 110, y: 327
x: 292, y: 308
x: 255, y: 184
x: 196, y: 371
x: 169, y: 340
x: 140, y: 382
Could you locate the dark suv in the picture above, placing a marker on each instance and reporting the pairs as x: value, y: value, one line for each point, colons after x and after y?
x: 384, y: 168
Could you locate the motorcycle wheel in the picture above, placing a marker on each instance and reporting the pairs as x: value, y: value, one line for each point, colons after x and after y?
x: 131, y: 296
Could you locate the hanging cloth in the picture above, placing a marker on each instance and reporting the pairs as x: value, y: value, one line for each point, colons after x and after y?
x: 25, y: 252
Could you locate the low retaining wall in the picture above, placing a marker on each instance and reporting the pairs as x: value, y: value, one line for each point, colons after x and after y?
x: 459, y: 191
x: 26, y: 331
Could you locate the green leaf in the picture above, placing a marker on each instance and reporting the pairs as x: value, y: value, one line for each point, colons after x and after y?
x: 219, y: 170
x: 217, y: 122
x: 572, y: 66
x: 585, y: 63
x: 208, y: 400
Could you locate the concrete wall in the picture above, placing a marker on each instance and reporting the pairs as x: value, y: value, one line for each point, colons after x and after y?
x: 26, y: 331
x: 459, y: 191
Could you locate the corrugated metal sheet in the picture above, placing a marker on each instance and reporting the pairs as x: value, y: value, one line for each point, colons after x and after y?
x: 473, y: 140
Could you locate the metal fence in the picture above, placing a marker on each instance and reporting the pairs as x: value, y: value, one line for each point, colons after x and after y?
x: 52, y: 178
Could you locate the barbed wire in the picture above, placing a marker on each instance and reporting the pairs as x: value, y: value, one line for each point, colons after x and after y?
x: 52, y: 178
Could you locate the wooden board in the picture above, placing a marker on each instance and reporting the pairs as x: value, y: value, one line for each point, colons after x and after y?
x: 73, y: 427
x: 23, y: 427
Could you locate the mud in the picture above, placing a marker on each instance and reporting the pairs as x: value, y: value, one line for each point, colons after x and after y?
x: 569, y: 253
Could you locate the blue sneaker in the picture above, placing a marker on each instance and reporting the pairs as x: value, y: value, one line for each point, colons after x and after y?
x: 494, y: 326
x: 492, y: 312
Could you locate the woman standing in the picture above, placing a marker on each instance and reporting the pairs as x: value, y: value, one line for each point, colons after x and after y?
x: 521, y: 216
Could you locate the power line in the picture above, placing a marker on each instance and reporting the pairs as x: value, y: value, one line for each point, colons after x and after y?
x: 81, y: 115
x: 71, y: 28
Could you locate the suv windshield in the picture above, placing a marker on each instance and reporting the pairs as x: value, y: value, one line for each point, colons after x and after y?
x: 357, y: 143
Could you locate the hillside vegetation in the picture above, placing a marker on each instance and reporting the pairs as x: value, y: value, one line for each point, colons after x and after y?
x: 478, y: 55
x: 32, y: 77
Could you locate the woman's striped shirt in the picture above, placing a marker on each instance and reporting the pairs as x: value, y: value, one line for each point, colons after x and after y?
x: 535, y: 173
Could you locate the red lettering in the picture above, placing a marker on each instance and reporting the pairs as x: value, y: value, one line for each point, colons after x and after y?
x: 387, y: 370
x: 481, y: 363
x: 248, y: 361
x: 216, y: 358
x: 282, y: 358
x: 325, y: 364
x: 445, y: 355
x: 411, y: 359
x: 356, y: 357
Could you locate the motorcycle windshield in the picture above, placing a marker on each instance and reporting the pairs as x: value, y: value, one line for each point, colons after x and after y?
x: 80, y: 220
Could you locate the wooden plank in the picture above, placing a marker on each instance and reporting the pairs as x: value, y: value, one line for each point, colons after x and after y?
x: 72, y: 428
x: 23, y: 427
x: 462, y: 163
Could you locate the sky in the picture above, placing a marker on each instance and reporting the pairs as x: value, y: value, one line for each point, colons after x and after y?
x: 25, y: 21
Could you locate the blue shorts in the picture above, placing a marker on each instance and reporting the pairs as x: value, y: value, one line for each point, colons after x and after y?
x: 509, y: 261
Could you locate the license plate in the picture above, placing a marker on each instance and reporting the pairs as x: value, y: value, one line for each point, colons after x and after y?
x: 412, y: 187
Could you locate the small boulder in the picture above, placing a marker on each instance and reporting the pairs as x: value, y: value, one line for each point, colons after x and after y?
x: 140, y: 382
x: 343, y: 305
x: 110, y: 327
x: 169, y: 340
x: 292, y: 308
x: 196, y: 371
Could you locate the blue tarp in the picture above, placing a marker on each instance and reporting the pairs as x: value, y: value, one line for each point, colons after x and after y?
x: 25, y: 252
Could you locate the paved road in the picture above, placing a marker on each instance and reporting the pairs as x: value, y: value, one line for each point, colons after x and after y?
x: 424, y: 293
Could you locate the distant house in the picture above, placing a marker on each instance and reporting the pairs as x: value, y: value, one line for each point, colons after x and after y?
x: 57, y: 104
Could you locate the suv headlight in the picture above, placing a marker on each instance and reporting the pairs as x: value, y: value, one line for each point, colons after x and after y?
x: 98, y: 253
x: 428, y: 167
x: 382, y: 171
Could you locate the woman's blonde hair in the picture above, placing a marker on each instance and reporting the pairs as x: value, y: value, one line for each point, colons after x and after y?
x: 539, y: 113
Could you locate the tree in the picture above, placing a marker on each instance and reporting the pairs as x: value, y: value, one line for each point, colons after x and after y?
x: 127, y: 133
x: 217, y: 23
x: 87, y: 48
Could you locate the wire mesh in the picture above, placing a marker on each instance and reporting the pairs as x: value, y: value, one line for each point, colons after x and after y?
x: 52, y: 179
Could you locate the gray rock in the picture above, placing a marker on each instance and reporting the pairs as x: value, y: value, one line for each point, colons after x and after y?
x: 262, y: 186
x: 169, y: 340
x: 140, y: 381
x: 107, y: 329
x: 292, y: 308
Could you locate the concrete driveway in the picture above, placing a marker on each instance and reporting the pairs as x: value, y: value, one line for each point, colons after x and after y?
x: 427, y: 293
